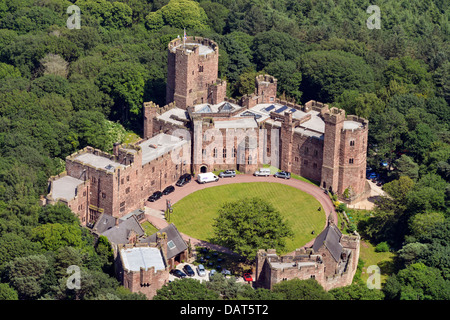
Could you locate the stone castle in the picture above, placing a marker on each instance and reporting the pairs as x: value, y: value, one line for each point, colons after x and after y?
x: 201, y: 130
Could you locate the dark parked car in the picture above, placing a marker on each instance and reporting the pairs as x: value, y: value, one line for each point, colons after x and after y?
x: 185, y: 178
x: 283, y: 174
x: 168, y: 190
x: 227, y: 173
x: 178, y: 273
x: 155, y: 196
x: 188, y: 270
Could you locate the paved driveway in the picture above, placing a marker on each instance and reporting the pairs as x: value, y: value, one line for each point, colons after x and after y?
x: 155, y: 216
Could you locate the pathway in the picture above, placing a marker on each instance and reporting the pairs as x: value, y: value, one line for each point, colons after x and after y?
x: 155, y: 210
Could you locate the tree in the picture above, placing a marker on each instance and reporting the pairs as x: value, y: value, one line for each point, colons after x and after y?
x: 405, y: 166
x: 112, y: 15
x: 7, y: 293
x: 423, y: 223
x: 7, y: 70
x: 412, y: 72
x: 297, y: 289
x: 327, y: 74
x: 124, y: 82
x: 418, y: 282
x: 55, y: 235
x: 271, y: 46
x: 288, y: 76
x: 179, y: 14
x: 358, y: 291
x: 185, y: 289
x: 25, y: 275
x: 217, y: 14
x: 250, y: 224
x: 58, y: 213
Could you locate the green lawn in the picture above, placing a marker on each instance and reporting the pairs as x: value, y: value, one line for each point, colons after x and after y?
x: 194, y: 214
x: 381, y: 259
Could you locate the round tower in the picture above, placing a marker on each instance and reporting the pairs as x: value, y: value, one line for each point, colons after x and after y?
x: 193, y: 66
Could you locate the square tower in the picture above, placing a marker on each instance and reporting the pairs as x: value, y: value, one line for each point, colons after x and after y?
x: 192, y: 68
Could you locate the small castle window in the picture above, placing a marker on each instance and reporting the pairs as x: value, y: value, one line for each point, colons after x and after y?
x: 305, y: 163
x: 215, y: 152
x: 350, y: 160
x: 224, y: 153
x: 352, y: 143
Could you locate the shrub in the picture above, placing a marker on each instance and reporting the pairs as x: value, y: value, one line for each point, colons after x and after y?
x: 382, y: 247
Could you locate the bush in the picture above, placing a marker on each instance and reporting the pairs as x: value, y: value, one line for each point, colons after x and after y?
x: 382, y: 247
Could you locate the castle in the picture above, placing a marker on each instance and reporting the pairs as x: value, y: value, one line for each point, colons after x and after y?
x: 201, y: 130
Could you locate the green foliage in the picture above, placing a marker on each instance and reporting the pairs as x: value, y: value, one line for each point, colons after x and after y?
x: 418, y: 282
x: 55, y: 235
x: 7, y: 293
x: 185, y: 289
x: 111, y: 15
x: 357, y: 291
x: 382, y: 247
x: 327, y: 74
x: 179, y: 14
x: 296, y: 289
x: 9, y: 71
x: 250, y: 224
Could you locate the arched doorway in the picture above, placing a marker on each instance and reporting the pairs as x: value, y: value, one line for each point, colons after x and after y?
x: 203, y: 169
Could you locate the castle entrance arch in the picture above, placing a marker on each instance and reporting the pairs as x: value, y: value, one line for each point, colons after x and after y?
x: 203, y: 169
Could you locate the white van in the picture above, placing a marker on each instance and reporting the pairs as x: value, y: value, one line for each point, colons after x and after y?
x: 263, y: 172
x: 207, y: 177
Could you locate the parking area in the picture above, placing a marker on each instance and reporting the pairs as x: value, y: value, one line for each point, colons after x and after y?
x: 206, y: 277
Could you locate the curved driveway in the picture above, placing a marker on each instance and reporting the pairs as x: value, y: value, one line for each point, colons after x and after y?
x: 181, y: 192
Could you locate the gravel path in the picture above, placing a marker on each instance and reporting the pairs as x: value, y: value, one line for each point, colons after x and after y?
x: 156, y: 217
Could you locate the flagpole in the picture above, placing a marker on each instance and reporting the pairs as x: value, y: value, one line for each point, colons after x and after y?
x: 184, y: 39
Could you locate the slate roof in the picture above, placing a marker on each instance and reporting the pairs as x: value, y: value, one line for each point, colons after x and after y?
x: 106, y: 226
x: 179, y: 245
x: 330, y: 238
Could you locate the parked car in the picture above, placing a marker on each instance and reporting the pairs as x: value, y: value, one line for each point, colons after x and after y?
x: 213, y: 272
x: 226, y: 272
x: 201, y: 270
x: 207, y: 177
x: 178, y: 273
x: 247, y: 277
x: 185, y: 178
x: 227, y: 173
x: 283, y: 174
x: 155, y: 196
x: 262, y: 172
x: 188, y: 270
x: 168, y: 190
x: 372, y: 175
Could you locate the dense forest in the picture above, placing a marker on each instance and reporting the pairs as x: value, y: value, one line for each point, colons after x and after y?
x: 62, y: 89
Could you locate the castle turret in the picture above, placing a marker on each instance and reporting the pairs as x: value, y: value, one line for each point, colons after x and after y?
x: 334, y: 121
